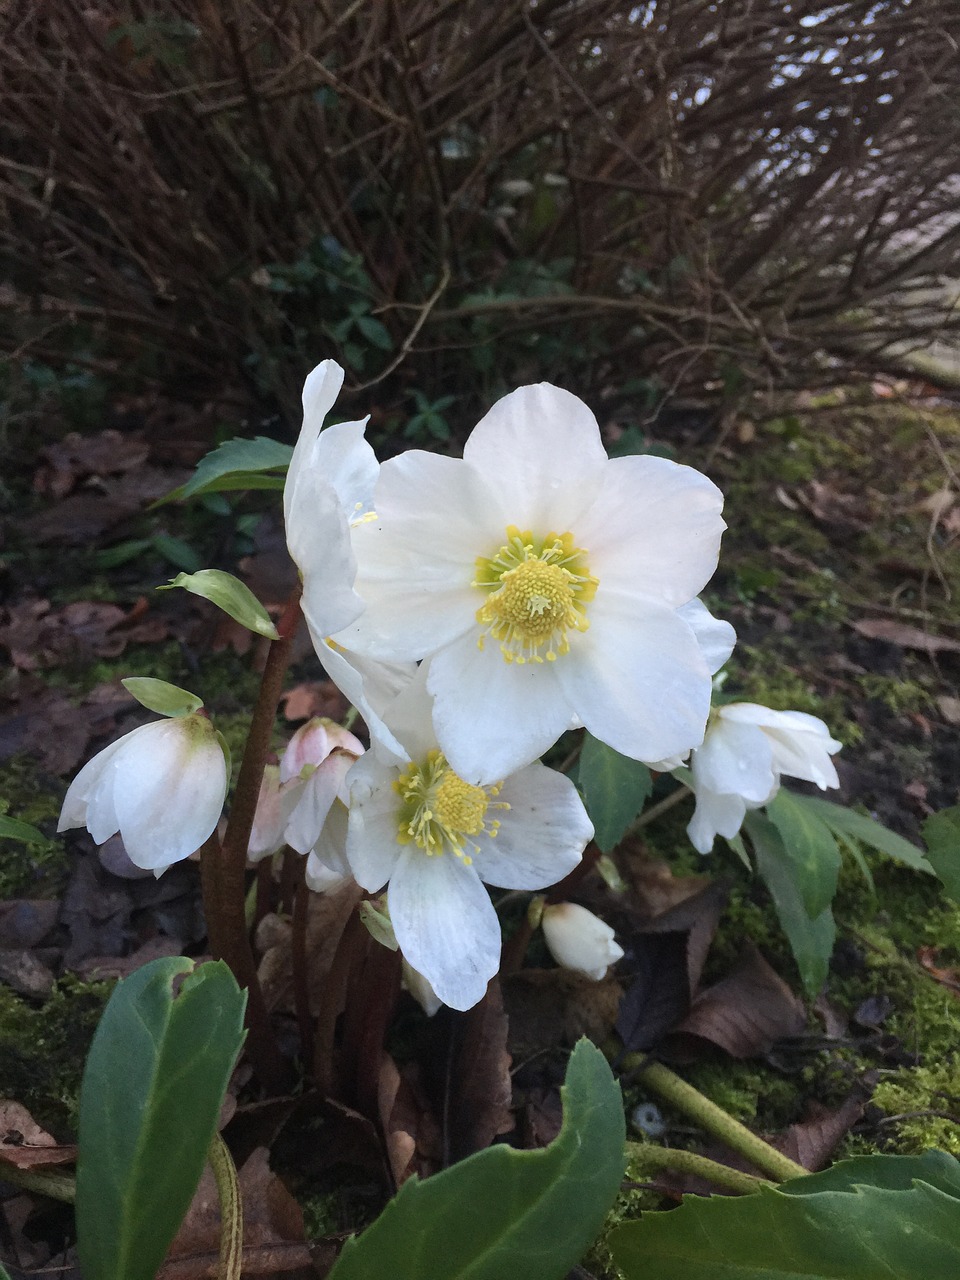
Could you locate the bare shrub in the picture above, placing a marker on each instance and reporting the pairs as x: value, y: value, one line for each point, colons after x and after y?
x: 652, y: 195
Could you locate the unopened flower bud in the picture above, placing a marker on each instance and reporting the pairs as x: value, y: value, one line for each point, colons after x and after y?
x: 578, y: 940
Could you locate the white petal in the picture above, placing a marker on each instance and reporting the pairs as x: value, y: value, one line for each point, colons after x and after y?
x: 348, y: 462
x: 327, y: 865
x: 638, y: 680
x: 445, y: 924
x: 318, y: 537
x: 168, y: 791
x: 275, y: 804
x: 653, y: 531
x: 318, y: 794
x: 715, y: 637
x: 801, y: 743
x: 368, y: 684
x: 372, y: 846
x: 541, y: 448
x: 491, y: 716
x: 320, y: 390
x: 715, y: 815
x: 76, y: 802
x: 735, y: 759
x: 418, y: 559
x: 542, y: 835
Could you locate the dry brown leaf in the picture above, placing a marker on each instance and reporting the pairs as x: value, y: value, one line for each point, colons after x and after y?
x: 904, y: 635
x: 78, y: 456
x: 414, y: 1142
x: 557, y: 1007
x: 813, y: 1140
x: 24, y: 1144
x: 480, y: 1089
x: 744, y: 1013
x: 273, y: 1234
x: 314, y: 698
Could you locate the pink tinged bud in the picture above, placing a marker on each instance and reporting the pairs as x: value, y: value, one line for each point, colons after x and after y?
x: 312, y: 743
x: 275, y: 803
x: 161, y: 786
x: 578, y: 940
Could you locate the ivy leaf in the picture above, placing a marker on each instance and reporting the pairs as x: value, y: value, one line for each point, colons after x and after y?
x: 149, y: 1103
x: 810, y: 845
x: 614, y: 789
x: 811, y: 938
x: 237, y: 464
x: 941, y: 831
x: 877, y: 1215
x: 504, y: 1212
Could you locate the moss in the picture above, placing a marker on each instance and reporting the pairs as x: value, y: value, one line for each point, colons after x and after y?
x: 897, y: 694
x: 926, y: 1089
x: 42, y: 1050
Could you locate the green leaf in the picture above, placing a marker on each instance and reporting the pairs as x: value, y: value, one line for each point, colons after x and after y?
x: 614, y: 789
x: 850, y: 823
x: 229, y: 594
x: 811, y: 938
x: 165, y: 699
x: 810, y: 845
x: 149, y: 1104
x: 859, y: 1223
x: 179, y: 553
x: 14, y: 829
x: 236, y: 464
x: 891, y: 1173
x: 942, y: 834
x: 504, y: 1212
x: 374, y: 331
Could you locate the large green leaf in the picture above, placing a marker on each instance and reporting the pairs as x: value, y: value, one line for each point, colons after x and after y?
x: 151, y: 1095
x: 237, y: 464
x: 810, y: 845
x: 503, y: 1212
x: 872, y: 1222
x: 614, y: 790
x: 811, y: 938
x: 848, y: 822
x: 942, y: 834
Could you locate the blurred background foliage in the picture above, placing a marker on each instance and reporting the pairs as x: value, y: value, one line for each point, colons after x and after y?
x: 453, y: 198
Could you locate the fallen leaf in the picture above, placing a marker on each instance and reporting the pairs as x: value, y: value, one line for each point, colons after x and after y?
x: 946, y: 977
x: 25, y: 922
x: 24, y: 1144
x: 273, y: 1234
x: 313, y: 698
x: 744, y: 1013
x: 77, y: 456
x: 902, y: 634
x: 557, y: 1007
x: 658, y: 994
x: 412, y: 1135
x: 843, y: 512
x: 813, y: 1140
x: 24, y: 973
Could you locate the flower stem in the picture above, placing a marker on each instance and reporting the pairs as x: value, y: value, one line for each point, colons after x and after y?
x: 223, y: 867
x: 712, y: 1118
x: 662, y: 806
x: 231, y: 1209
x: 301, y: 988
x: 648, y: 1156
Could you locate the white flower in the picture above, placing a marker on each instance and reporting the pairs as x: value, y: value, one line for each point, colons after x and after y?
x: 543, y: 580
x: 579, y: 940
x: 435, y: 840
x: 420, y: 989
x: 368, y: 684
x: 328, y: 488
x: 746, y: 749
x: 161, y: 786
x: 320, y: 755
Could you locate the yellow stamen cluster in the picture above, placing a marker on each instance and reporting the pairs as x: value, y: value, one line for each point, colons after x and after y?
x: 537, y: 589
x: 440, y: 811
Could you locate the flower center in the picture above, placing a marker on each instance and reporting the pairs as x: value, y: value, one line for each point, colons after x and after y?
x: 440, y: 811
x: 537, y: 589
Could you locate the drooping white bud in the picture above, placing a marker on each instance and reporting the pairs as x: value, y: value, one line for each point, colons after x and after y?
x: 579, y: 940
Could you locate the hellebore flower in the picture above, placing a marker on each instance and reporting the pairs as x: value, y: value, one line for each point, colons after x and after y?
x: 746, y: 749
x: 275, y: 803
x: 328, y: 488
x: 436, y: 840
x: 161, y: 786
x: 579, y: 940
x: 319, y: 755
x: 543, y: 580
